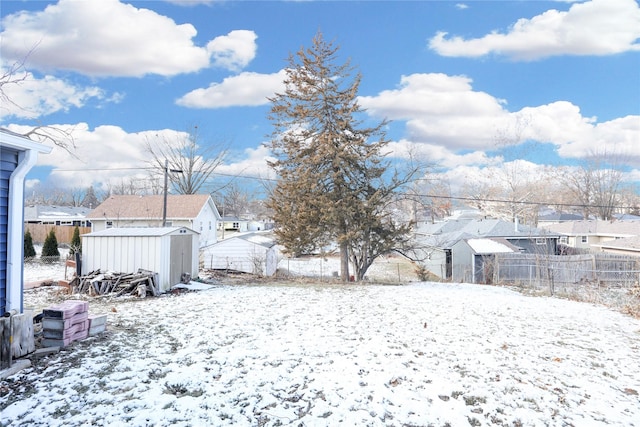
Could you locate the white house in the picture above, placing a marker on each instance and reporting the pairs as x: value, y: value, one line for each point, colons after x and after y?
x: 17, y: 156
x: 194, y: 211
x: 254, y: 253
x: 168, y: 251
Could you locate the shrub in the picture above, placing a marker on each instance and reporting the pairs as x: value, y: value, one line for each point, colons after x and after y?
x: 29, y: 250
x: 76, y: 243
x: 50, y: 250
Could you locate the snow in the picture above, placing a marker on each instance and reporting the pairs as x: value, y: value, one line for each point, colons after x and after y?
x: 356, y: 355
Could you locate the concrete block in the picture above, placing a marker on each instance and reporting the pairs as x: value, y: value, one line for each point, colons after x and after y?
x: 61, y: 324
x: 66, y: 309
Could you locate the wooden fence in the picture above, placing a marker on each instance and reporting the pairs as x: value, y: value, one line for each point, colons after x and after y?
x: 64, y: 233
x: 550, y: 270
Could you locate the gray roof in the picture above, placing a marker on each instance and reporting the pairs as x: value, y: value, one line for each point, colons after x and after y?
x: 447, y: 234
x: 559, y: 217
x: 627, y: 244
x: 597, y: 228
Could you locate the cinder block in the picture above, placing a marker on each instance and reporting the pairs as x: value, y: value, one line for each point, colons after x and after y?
x: 49, y: 342
x: 66, y: 309
x: 61, y: 324
x: 97, y: 324
x: 67, y: 332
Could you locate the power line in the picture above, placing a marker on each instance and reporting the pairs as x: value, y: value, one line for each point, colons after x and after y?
x: 433, y: 196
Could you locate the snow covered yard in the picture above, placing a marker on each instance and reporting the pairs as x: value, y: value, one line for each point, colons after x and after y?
x: 424, y: 354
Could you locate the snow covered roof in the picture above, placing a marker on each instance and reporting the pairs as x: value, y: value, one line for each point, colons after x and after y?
x: 54, y: 212
x: 491, y: 246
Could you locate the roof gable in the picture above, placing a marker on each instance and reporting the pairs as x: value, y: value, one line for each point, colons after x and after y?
x: 151, y: 207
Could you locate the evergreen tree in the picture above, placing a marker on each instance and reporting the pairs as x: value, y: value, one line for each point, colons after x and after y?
x: 334, y: 184
x: 90, y: 199
x: 29, y: 250
x: 76, y: 243
x: 50, y: 252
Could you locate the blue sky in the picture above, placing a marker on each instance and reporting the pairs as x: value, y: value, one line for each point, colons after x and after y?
x: 557, y: 80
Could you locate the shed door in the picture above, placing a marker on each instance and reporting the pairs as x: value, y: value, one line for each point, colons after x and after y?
x: 180, y: 258
x: 8, y: 163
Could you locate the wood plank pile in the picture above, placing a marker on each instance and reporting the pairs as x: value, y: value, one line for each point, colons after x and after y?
x: 142, y: 283
x: 70, y: 321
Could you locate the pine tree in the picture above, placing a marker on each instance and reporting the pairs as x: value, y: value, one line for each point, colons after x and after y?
x: 76, y: 243
x: 332, y: 185
x: 50, y: 252
x: 29, y: 250
x: 90, y: 199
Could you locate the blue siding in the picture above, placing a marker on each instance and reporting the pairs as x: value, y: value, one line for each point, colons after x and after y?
x: 8, y: 163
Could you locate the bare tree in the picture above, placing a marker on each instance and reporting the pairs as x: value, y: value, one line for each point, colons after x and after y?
x: 596, y: 186
x: 193, y: 161
x: 15, y: 75
x: 235, y: 200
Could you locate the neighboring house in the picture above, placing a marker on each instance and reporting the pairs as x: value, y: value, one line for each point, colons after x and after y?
x: 440, y: 251
x: 589, y: 235
x: 17, y: 156
x: 233, y: 223
x: 168, y: 251
x: 194, y: 211
x: 254, y: 253
x: 57, y: 215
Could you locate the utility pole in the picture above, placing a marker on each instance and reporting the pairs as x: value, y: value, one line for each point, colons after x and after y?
x: 166, y: 179
x: 164, y: 205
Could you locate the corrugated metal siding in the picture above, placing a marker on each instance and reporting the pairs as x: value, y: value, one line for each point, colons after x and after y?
x: 8, y: 163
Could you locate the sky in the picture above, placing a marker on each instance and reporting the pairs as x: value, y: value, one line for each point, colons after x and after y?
x: 466, y: 85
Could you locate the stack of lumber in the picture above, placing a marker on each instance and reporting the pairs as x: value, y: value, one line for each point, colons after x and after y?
x: 65, y: 323
x: 70, y: 321
x: 142, y: 283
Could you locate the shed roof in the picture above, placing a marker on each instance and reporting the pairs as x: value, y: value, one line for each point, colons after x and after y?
x: 491, y: 246
x: 139, y: 231
x: 146, y: 207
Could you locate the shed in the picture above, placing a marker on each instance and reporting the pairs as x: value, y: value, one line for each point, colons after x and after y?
x: 254, y: 253
x: 475, y: 258
x: 168, y: 251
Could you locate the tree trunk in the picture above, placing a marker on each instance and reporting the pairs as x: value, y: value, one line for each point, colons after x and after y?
x: 344, y: 262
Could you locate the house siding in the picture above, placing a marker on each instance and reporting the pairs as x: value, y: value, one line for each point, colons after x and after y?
x: 8, y: 163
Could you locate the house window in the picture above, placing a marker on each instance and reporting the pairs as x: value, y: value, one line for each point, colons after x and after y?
x: 564, y: 240
x: 209, y: 225
x: 169, y: 223
x: 236, y: 225
x: 200, y: 226
x: 109, y: 224
x: 540, y: 241
x: 583, y: 239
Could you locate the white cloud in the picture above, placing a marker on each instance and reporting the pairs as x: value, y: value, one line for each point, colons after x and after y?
x: 235, y: 50
x: 441, y: 109
x: 244, y: 89
x: 35, y: 97
x: 597, y: 27
x: 462, y: 6
x: 450, y: 123
x: 110, y: 38
x: 253, y: 164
